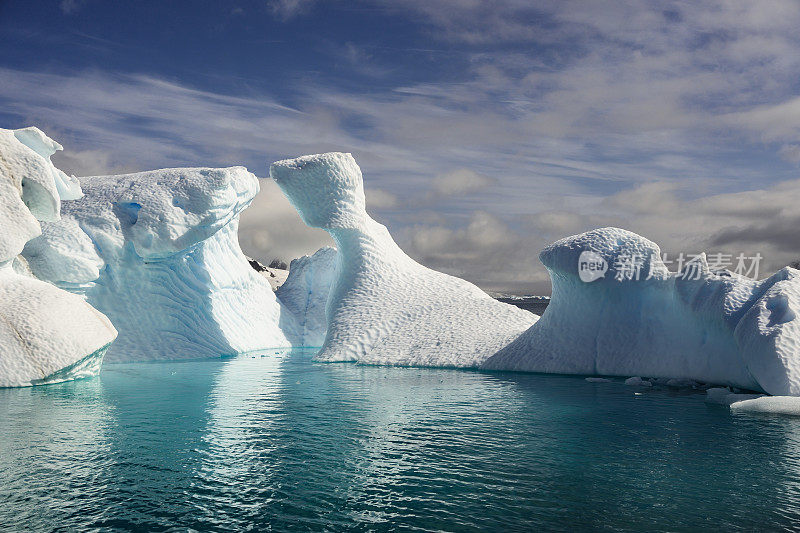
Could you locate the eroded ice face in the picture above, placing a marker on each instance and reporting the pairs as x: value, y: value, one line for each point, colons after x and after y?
x: 326, y: 189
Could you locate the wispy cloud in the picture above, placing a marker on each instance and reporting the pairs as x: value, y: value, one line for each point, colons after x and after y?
x: 289, y: 9
x: 70, y: 6
x: 565, y: 116
x: 460, y: 181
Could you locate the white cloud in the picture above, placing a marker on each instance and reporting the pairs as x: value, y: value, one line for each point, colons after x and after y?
x: 380, y: 199
x: 581, y: 120
x: 271, y: 228
x: 460, y: 181
x: 790, y: 152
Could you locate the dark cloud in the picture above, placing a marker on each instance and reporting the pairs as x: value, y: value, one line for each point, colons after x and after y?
x: 781, y: 233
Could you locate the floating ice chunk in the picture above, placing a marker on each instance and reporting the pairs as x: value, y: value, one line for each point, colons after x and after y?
x: 305, y: 294
x: 636, y: 381
x: 755, y: 403
x: 776, y: 405
x: 385, y: 308
x: 703, y: 326
x: 598, y: 380
x: 158, y: 253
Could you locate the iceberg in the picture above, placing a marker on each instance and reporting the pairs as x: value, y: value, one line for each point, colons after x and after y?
x: 305, y: 294
x: 696, y: 324
x: 384, y: 307
x: 158, y: 253
x: 47, y: 335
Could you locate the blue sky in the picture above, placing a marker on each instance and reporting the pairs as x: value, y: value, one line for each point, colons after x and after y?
x: 485, y: 130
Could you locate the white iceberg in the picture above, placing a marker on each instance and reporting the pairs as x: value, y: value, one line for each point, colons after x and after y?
x: 385, y: 308
x: 713, y: 327
x: 47, y: 335
x: 305, y: 294
x: 158, y: 253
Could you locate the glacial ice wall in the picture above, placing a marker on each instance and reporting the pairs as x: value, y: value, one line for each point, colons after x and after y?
x: 305, y: 294
x: 158, y: 253
x: 716, y: 327
x: 47, y: 335
x: 385, y: 308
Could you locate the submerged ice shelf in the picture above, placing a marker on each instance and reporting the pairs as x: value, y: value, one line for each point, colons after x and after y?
x: 47, y: 335
x: 385, y: 308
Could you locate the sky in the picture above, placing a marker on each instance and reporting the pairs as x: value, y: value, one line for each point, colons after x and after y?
x: 484, y: 130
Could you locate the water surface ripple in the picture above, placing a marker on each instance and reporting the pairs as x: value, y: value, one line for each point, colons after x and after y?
x: 276, y: 442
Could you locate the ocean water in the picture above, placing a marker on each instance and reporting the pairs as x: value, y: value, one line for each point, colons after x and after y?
x: 277, y: 442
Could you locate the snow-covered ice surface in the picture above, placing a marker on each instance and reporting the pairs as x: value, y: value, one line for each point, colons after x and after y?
x: 305, y: 294
x: 773, y: 405
x: 47, y: 335
x: 158, y: 253
x: 718, y: 328
x: 275, y: 276
x: 385, y: 308
x: 755, y: 403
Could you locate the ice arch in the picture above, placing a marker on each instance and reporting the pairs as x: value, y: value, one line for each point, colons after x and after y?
x: 158, y: 252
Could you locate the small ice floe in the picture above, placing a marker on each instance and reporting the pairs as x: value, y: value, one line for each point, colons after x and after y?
x: 636, y: 381
x: 778, y: 405
x: 755, y: 403
x: 598, y: 380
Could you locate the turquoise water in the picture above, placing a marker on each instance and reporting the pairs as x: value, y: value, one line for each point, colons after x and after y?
x: 278, y: 442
